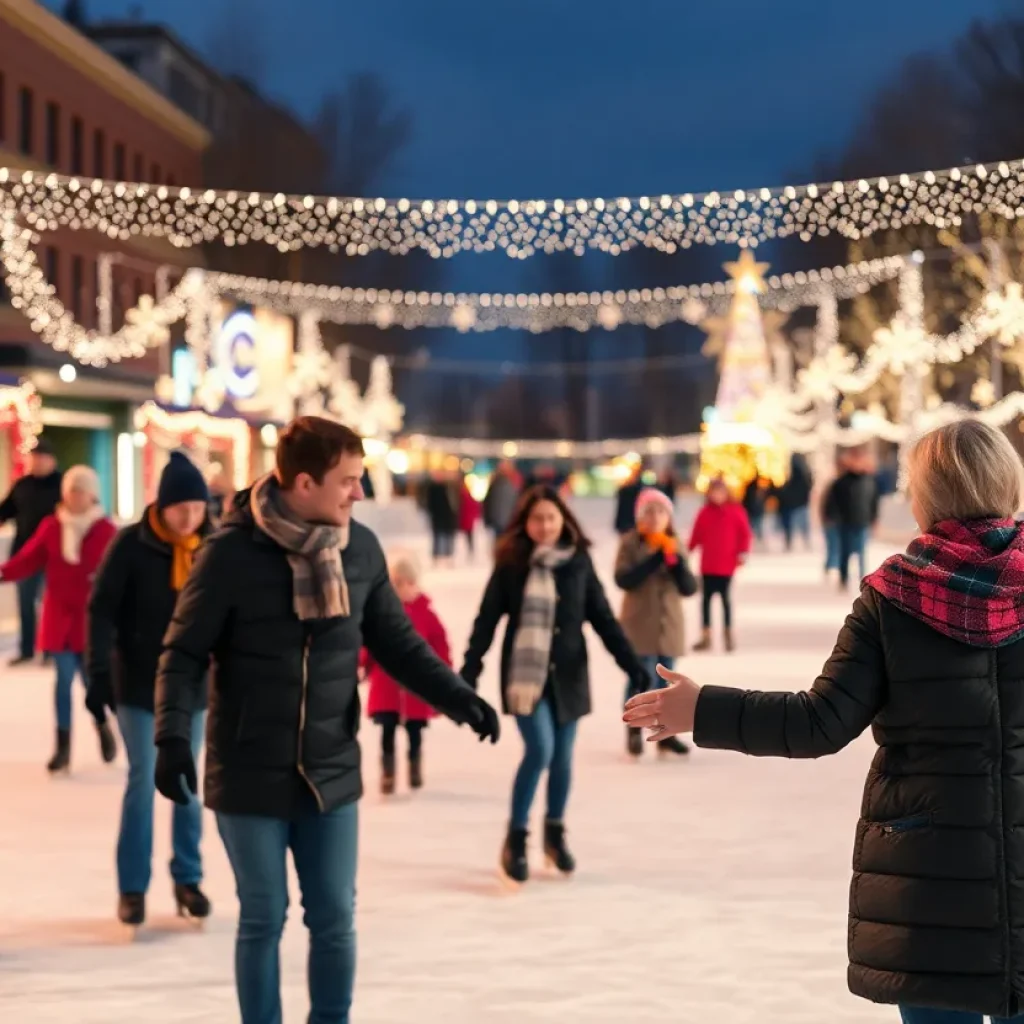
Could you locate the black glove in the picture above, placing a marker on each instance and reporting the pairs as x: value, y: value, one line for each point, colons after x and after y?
x: 483, y: 720
x: 173, y: 762
x: 100, y: 696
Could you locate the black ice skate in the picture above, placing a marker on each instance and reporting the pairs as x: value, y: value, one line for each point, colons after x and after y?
x: 387, y: 774
x: 60, y: 763
x: 673, y: 745
x: 634, y: 741
x: 556, y: 853
x: 192, y: 902
x: 131, y: 909
x: 416, y: 772
x: 514, y: 866
x: 108, y: 744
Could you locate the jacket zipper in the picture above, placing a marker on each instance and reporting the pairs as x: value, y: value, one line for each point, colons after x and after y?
x: 906, y: 824
x: 302, y: 720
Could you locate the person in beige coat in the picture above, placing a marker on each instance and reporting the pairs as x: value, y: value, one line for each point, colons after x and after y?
x: 652, y: 570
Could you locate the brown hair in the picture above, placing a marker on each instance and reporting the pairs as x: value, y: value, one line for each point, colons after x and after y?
x: 514, y: 546
x: 313, y: 445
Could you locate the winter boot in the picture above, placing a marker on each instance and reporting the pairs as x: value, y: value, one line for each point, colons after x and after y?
x: 108, y: 744
x: 514, y: 864
x: 704, y: 644
x: 556, y: 853
x: 61, y: 760
x: 191, y: 901
x: 673, y: 745
x: 387, y: 774
x: 730, y: 643
x: 634, y: 741
x: 416, y: 771
x: 131, y: 909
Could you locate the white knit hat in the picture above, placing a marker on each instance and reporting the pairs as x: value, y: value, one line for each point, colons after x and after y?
x: 81, y: 478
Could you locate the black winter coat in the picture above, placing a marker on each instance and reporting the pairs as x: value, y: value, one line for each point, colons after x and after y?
x: 30, y: 501
x: 937, y: 900
x: 853, y: 500
x: 284, y: 704
x: 130, y: 609
x: 625, y: 507
x: 581, y: 599
x: 442, y: 507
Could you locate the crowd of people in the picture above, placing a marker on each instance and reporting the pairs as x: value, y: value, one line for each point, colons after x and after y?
x: 253, y: 634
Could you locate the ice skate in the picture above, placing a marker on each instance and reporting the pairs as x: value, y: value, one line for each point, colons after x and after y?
x: 60, y: 763
x: 704, y: 644
x: 416, y: 772
x: 108, y: 744
x: 387, y: 774
x: 556, y: 853
x: 634, y: 742
x: 730, y: 642
x: 131, y: 911
x: 673, y: 745
x: 515, y: 868
x: 192, y: 903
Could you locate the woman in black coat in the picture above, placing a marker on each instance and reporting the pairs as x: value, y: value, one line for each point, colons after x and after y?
x: 130, y: 609
x: 932, y: 658
x: 545, y: 583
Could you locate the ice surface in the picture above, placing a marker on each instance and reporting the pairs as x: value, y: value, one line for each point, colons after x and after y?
x: 709, y: 890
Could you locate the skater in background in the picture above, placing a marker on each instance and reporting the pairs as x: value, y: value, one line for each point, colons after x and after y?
x: 501, y: 498
x: 930, y: 658
x: 32, y: 498
x: 625, y: 501
x: 389, y: 705
x: 469, y: 515
x: 653, y: 572
x: 67, y: 549
x: 130, y: 609
x: 794, y: 499
x: 441, y: 503
x: 722, y: 532
x: 755, y: 504
x: 853, y: 507
x: 830, y: 529
x: 545, y: 584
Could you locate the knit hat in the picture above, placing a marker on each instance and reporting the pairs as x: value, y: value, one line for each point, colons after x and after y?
x: 81, y: 478
x: 651, y: 495
x: 181, y: 481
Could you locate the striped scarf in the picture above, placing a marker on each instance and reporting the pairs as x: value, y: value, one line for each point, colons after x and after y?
x: 531, y: 648
x: 314, y: 553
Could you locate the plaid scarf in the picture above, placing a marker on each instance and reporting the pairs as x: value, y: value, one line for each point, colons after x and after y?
x: 531, y: 648
x: 314, y: 553
x: 964, y: 579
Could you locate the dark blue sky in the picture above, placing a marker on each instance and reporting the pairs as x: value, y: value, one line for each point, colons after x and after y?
x: 587, y: 97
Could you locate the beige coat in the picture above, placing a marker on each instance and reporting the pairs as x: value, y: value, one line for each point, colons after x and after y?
x: 652, y: 607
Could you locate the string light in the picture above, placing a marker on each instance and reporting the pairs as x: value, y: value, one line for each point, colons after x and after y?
x: 520, y: 228
x: 21, y: 405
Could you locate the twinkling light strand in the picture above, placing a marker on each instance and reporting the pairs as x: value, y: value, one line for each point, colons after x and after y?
x: 22, y: 401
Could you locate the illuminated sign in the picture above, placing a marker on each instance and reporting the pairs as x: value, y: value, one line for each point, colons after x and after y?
x: 234, y: 354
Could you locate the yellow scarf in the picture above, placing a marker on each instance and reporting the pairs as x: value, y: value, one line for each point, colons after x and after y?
x: 183, y: 548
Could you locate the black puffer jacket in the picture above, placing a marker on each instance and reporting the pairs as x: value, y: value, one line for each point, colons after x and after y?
x: 31, y: 500
x: 581, y: 599
x: 853, y: 500
x: 130, y: 609
x: 284, y: 706
x: 937, y: 901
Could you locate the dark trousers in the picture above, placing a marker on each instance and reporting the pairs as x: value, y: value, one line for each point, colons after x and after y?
x: 853, y: 540
x: 388, y: 721
x: 28, y: 601
x: 716, y: 585
x: 444, y: 544
x: 468, y: 534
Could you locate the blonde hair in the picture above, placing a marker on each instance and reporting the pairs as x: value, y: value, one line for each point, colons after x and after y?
x: 404, y: 565
x: 965, y: 470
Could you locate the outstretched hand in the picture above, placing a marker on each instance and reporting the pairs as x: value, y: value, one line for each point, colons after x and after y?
x: 483, y: 720
x: 665, y: 712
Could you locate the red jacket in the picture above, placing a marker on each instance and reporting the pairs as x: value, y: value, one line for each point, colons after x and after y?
x: 469, y: 510
x: 62, y: 626
x: 722, y: 532
x: 385, y: 694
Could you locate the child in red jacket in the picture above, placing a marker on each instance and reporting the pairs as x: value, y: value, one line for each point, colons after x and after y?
x: 722, y: 532
x: 388, y: 703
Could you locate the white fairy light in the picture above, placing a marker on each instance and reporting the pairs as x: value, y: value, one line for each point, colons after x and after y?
x: 1002, y: 315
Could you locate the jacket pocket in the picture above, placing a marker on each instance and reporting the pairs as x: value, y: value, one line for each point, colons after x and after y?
x: 908, y: 824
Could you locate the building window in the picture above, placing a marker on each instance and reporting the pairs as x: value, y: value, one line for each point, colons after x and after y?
x: 137, y: 167
x: 154, y: 174
x: 53, y: 267
x: 26, y: 112
x: 3, y: 107
x: 77, y: 287
x: 99, y: 154
x: 52, y: 134
x: 77, y: 146
x: 119, y: 161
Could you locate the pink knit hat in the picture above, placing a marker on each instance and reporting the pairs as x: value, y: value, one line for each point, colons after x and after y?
x: 651, y: 495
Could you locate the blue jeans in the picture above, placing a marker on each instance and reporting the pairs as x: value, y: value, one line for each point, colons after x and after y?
x: 912, y: 1015
x: 68, y: 665
x: 800, y: 523
x: 651, y: 663
x: 28, y: 601
x: 831, y: 548
x: 853, y: 540
x: 547, y: 747
x: 324, y: 848
x: 135, y: 840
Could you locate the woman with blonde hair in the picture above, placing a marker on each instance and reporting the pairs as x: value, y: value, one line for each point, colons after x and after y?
x: 932, y: 658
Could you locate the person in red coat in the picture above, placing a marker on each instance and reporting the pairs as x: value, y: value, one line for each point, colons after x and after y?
x: 469, y: 513
x: 67, y: 548
x: 389, y: 704
x: 722, y: 532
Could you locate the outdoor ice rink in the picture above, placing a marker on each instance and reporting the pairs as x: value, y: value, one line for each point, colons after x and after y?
x: 709, y: 890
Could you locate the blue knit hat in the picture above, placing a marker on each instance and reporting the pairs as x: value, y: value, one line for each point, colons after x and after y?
x: 181, y: 481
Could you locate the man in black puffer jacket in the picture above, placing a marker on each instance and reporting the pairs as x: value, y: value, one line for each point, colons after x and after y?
x: 282, y: 599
